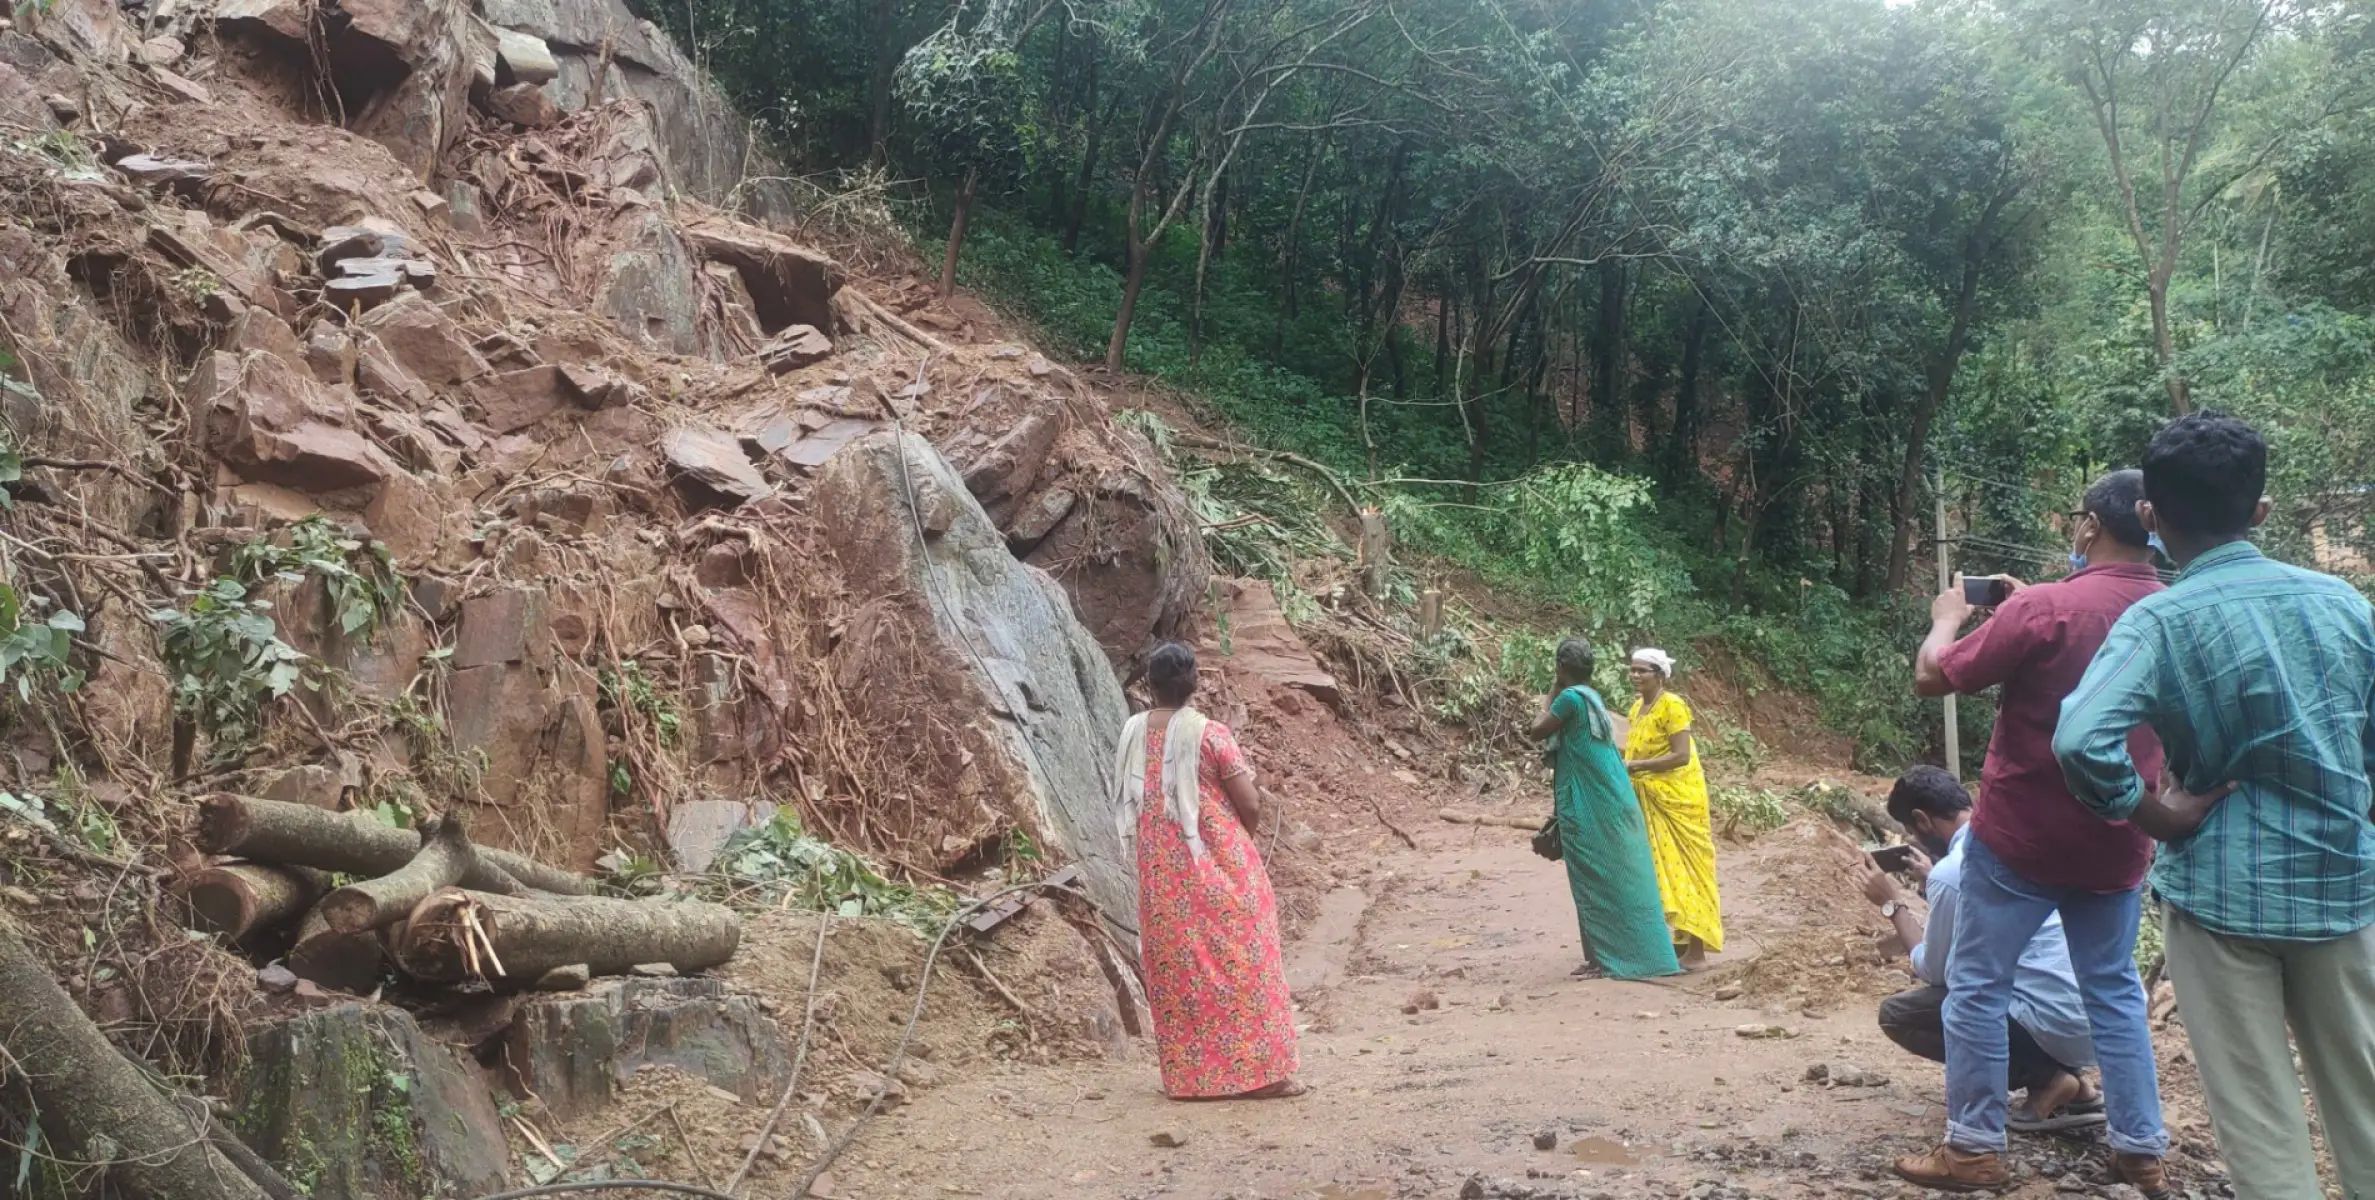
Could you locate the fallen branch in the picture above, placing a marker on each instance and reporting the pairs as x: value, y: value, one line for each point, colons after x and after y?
x: 528, y: 936
x: 446, y: 858
x: 897, y: 322
x: 1331, y: 478
x: 1378, y: 810
x: 93, y: 1101
x: 1458, y: 817
x: 238, y: 900
x: 354, y: 843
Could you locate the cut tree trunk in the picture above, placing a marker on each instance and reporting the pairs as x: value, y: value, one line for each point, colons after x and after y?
x: 357, y: 844
x: 346, y: 962
x: 239, y: 900
x: 529, y: 936
x: 446, y: 857
x: 95, y: 1103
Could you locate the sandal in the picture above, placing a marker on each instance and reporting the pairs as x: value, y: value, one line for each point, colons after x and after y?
x: 1588, y: 971
x: 2063, y: 1120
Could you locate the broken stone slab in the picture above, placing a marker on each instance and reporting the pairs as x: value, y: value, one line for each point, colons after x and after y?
x: 523, y: 104
x: 789, y: 283
x: 573, y: 1051
x: 820, y: 445
x: 597, y: 388
x: 162, y: 51
x: 355, y: 293
x: 272, y: 424
x: 525, y: 56
x: 312, y: 784
x: 1038, y: 519
x: 698, y: 829
x: 342, y: 242
x: 462, y: 209
x: 1011, y: 464
x: 354, y: 1101
x: 506, y: 626
x: 712, y: 461
x: 186, y: 89
x: 794, y: 348
x: 515, y: 400
x: 419, y: 272
x: 287, y: 18
x: 1262, y: 644
x: 424, y: 341
x: 150, y: 169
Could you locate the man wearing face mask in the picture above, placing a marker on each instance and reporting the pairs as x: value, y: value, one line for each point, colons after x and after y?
x: 2033, y: 850
x: 2047, y: 1032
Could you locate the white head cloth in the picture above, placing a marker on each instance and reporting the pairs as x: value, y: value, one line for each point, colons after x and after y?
x: 1656, y: 660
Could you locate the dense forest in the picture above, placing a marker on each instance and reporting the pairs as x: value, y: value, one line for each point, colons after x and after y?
x: 1686, y: 313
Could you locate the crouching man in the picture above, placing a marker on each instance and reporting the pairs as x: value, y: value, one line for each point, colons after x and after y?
x: 2047, y: 1025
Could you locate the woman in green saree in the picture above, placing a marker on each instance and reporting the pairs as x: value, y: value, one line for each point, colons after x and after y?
x: 1602, y: 835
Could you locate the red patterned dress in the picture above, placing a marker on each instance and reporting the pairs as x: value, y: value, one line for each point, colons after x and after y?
x: 1208, y: 938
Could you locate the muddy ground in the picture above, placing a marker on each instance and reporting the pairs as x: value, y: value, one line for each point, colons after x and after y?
x: 1445, y: 1042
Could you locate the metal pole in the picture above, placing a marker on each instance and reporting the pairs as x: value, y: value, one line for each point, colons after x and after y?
x: 1954, y: 733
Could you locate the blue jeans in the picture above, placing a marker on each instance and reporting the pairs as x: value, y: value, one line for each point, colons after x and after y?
x: 1998, y: 913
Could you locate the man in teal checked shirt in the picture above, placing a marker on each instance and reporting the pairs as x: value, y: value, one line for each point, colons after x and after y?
x: 2259, y: 679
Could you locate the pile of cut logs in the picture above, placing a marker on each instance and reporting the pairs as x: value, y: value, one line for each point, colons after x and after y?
x: 426, y: 902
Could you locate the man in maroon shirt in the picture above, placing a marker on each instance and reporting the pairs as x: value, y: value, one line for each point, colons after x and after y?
x: 2034, y: 849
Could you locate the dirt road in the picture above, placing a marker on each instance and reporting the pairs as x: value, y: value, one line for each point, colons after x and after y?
x: 1648, y: 1088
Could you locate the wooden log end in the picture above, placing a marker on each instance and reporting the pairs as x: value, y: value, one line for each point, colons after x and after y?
x: 222, y: 823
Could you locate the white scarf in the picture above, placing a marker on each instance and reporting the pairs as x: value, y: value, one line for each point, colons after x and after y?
x: 1183, y: 743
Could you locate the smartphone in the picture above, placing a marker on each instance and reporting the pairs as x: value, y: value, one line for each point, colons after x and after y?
x: 1981, y: 591
x: 1891, y: 858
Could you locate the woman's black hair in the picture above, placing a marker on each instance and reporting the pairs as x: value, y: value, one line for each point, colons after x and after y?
x: 2112, y: 503
x: 1171, y: 673
x: 2205, y: 473
x: 1575, y: 657
x: 1926, y: 789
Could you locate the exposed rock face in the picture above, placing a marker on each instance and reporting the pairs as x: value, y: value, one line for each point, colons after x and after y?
x: 1045, y: 707
x: 545, y: 778
x: 399, y: 69
x: 355, y: 1103
x: 702, y: 139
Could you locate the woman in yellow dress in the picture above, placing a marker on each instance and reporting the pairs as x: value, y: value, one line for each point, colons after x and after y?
x: 1673, y: 792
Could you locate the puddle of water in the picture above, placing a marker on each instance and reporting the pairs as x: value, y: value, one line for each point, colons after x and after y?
x: 1600, y: 1151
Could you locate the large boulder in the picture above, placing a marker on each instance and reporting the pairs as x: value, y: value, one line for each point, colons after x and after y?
x: 573, y: 1051
x: 1027, y: 694
x: 398, y: 70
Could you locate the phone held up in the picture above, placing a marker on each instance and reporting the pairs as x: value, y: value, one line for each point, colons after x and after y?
x: 1982, y: 591
x: 1891, y: 858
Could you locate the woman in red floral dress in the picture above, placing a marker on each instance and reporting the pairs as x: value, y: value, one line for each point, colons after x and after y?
x: 1208, y: 920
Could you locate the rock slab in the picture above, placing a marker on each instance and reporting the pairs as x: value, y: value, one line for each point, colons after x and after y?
x: 573, y: 1051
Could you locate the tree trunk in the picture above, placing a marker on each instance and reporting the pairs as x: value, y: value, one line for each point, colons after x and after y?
x: 1682, y: 441
x: 956, y: 234
x: 2164, y: 343
x: 353, y: 843
x: 1131, y: 284
x: 1442, y: 335
x: 1088, y: 157
x: 446, y: 856
x: 239, y: 900
x: 1294, y: 248
x: 1940, y: 378
x: 347, y: 962
x: 1609, y: 431
x: 530, y: 936
x: 886, y: 65
x: 94, y: 1102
